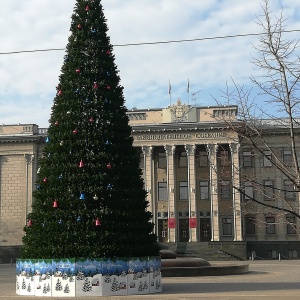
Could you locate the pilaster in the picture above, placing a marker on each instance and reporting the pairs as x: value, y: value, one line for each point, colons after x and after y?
x: 148, y: 175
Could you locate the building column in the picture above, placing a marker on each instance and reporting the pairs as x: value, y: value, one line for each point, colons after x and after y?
x: 29, y: 159
x: 236, y: 196
x: 148, y: 171
x: 214, y: 199
x: 190, y: 151
x: 170, y: 150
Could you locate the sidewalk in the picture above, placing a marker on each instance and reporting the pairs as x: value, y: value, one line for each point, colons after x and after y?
x: 266, y: 280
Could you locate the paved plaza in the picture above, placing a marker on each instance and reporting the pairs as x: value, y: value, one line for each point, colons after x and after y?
x: 266, y: 280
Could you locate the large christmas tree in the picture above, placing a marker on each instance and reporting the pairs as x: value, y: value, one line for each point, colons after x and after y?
x: 90, y: 200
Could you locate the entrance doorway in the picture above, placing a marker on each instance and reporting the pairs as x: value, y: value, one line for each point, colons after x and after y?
x: 162, y: 230
x: 205, y: 230
x: 184, y: 233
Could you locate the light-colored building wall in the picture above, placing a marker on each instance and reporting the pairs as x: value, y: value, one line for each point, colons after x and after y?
x: 19, y: 152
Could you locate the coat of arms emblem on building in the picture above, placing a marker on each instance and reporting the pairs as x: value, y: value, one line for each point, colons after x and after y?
x: 179, y: 111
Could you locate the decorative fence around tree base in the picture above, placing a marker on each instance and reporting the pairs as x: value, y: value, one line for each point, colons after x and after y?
x: 88, y: 277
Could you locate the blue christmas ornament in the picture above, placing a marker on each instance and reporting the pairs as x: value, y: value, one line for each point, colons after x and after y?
x: 78, y: 219
x: 60, y: 221
x: 105, y: 100
x: 66, y: 58
x: 38, y: 187
x: 77, y: 91
x: 107, y: 142
x: 87, y: 100
x: 60, y: 177
x: 47, y: 139
x: 109, y: 187
x: 93, y: 30
x: 82, y: 196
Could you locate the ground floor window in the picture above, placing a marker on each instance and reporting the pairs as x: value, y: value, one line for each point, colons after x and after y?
x: 291, y: 225
x: 292, y: 253
x: 270, y: 225
x: 271, y: 253
x: 226, y: 226
x: 249, y: 225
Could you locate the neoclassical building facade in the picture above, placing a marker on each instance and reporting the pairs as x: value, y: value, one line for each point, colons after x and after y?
x: 181, y: 148
x: 193, y: 166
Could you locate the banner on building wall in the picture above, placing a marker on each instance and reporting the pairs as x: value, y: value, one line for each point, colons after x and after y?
x: 193, y: 222
x: 172, y: 223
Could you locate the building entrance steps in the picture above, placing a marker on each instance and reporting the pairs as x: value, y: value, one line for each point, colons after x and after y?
x: 206, y: 250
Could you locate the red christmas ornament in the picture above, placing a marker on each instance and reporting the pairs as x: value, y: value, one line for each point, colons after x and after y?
x: 108, y: 166
x: 81, y: 164
x: 55, y: 204
x: 107, y: 52
x: 77, y: 70
x: 98, y: 223
x: 45, y: 180
x: 75, y: 131
x: 56, y: 123
x: 92, y: 120
x: 108, y: 87
x: 29, y: 223
x: 87, y: 8
x: 96, y: 85
x: 79, y: 26
x: 59, y: 92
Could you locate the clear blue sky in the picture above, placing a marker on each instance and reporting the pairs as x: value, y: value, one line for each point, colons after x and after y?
x: 28, y: 81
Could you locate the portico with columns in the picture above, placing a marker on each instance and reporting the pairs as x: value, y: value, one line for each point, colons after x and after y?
x: 189, y: 161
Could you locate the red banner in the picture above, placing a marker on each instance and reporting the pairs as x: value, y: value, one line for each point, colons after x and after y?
x: 193, y: 222
x: 172, y: 223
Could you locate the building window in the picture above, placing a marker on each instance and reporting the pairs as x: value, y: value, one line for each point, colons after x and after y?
x: 271, y: 253
x: 226, y: 226
x: 183, y: 190
x: 248, y: 191
x: 292, y: 253
x: 267, y: 159
x: 162, y: 161
x: 270, y: 225
x: 287, y: 156
x: 162, y: 214
x: 224, y: 158
x: 182, y: 159
x: 204, y: 190
x: 247, y: 159
x: 203, y: 159
x: 225, y: 190
x: 269, y: 190
x: 162, y: 191
x: 289, y: 190
x: 291, y: 225
x: 250, y: 225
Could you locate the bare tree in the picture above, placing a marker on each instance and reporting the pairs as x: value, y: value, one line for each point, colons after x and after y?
x: 269, y: 133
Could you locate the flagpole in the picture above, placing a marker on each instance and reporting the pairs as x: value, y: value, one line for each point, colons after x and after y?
x: 188, y: 91
x: 170, y: 92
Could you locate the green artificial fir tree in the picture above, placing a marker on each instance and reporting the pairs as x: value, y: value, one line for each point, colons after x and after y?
x: 90, y: 200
